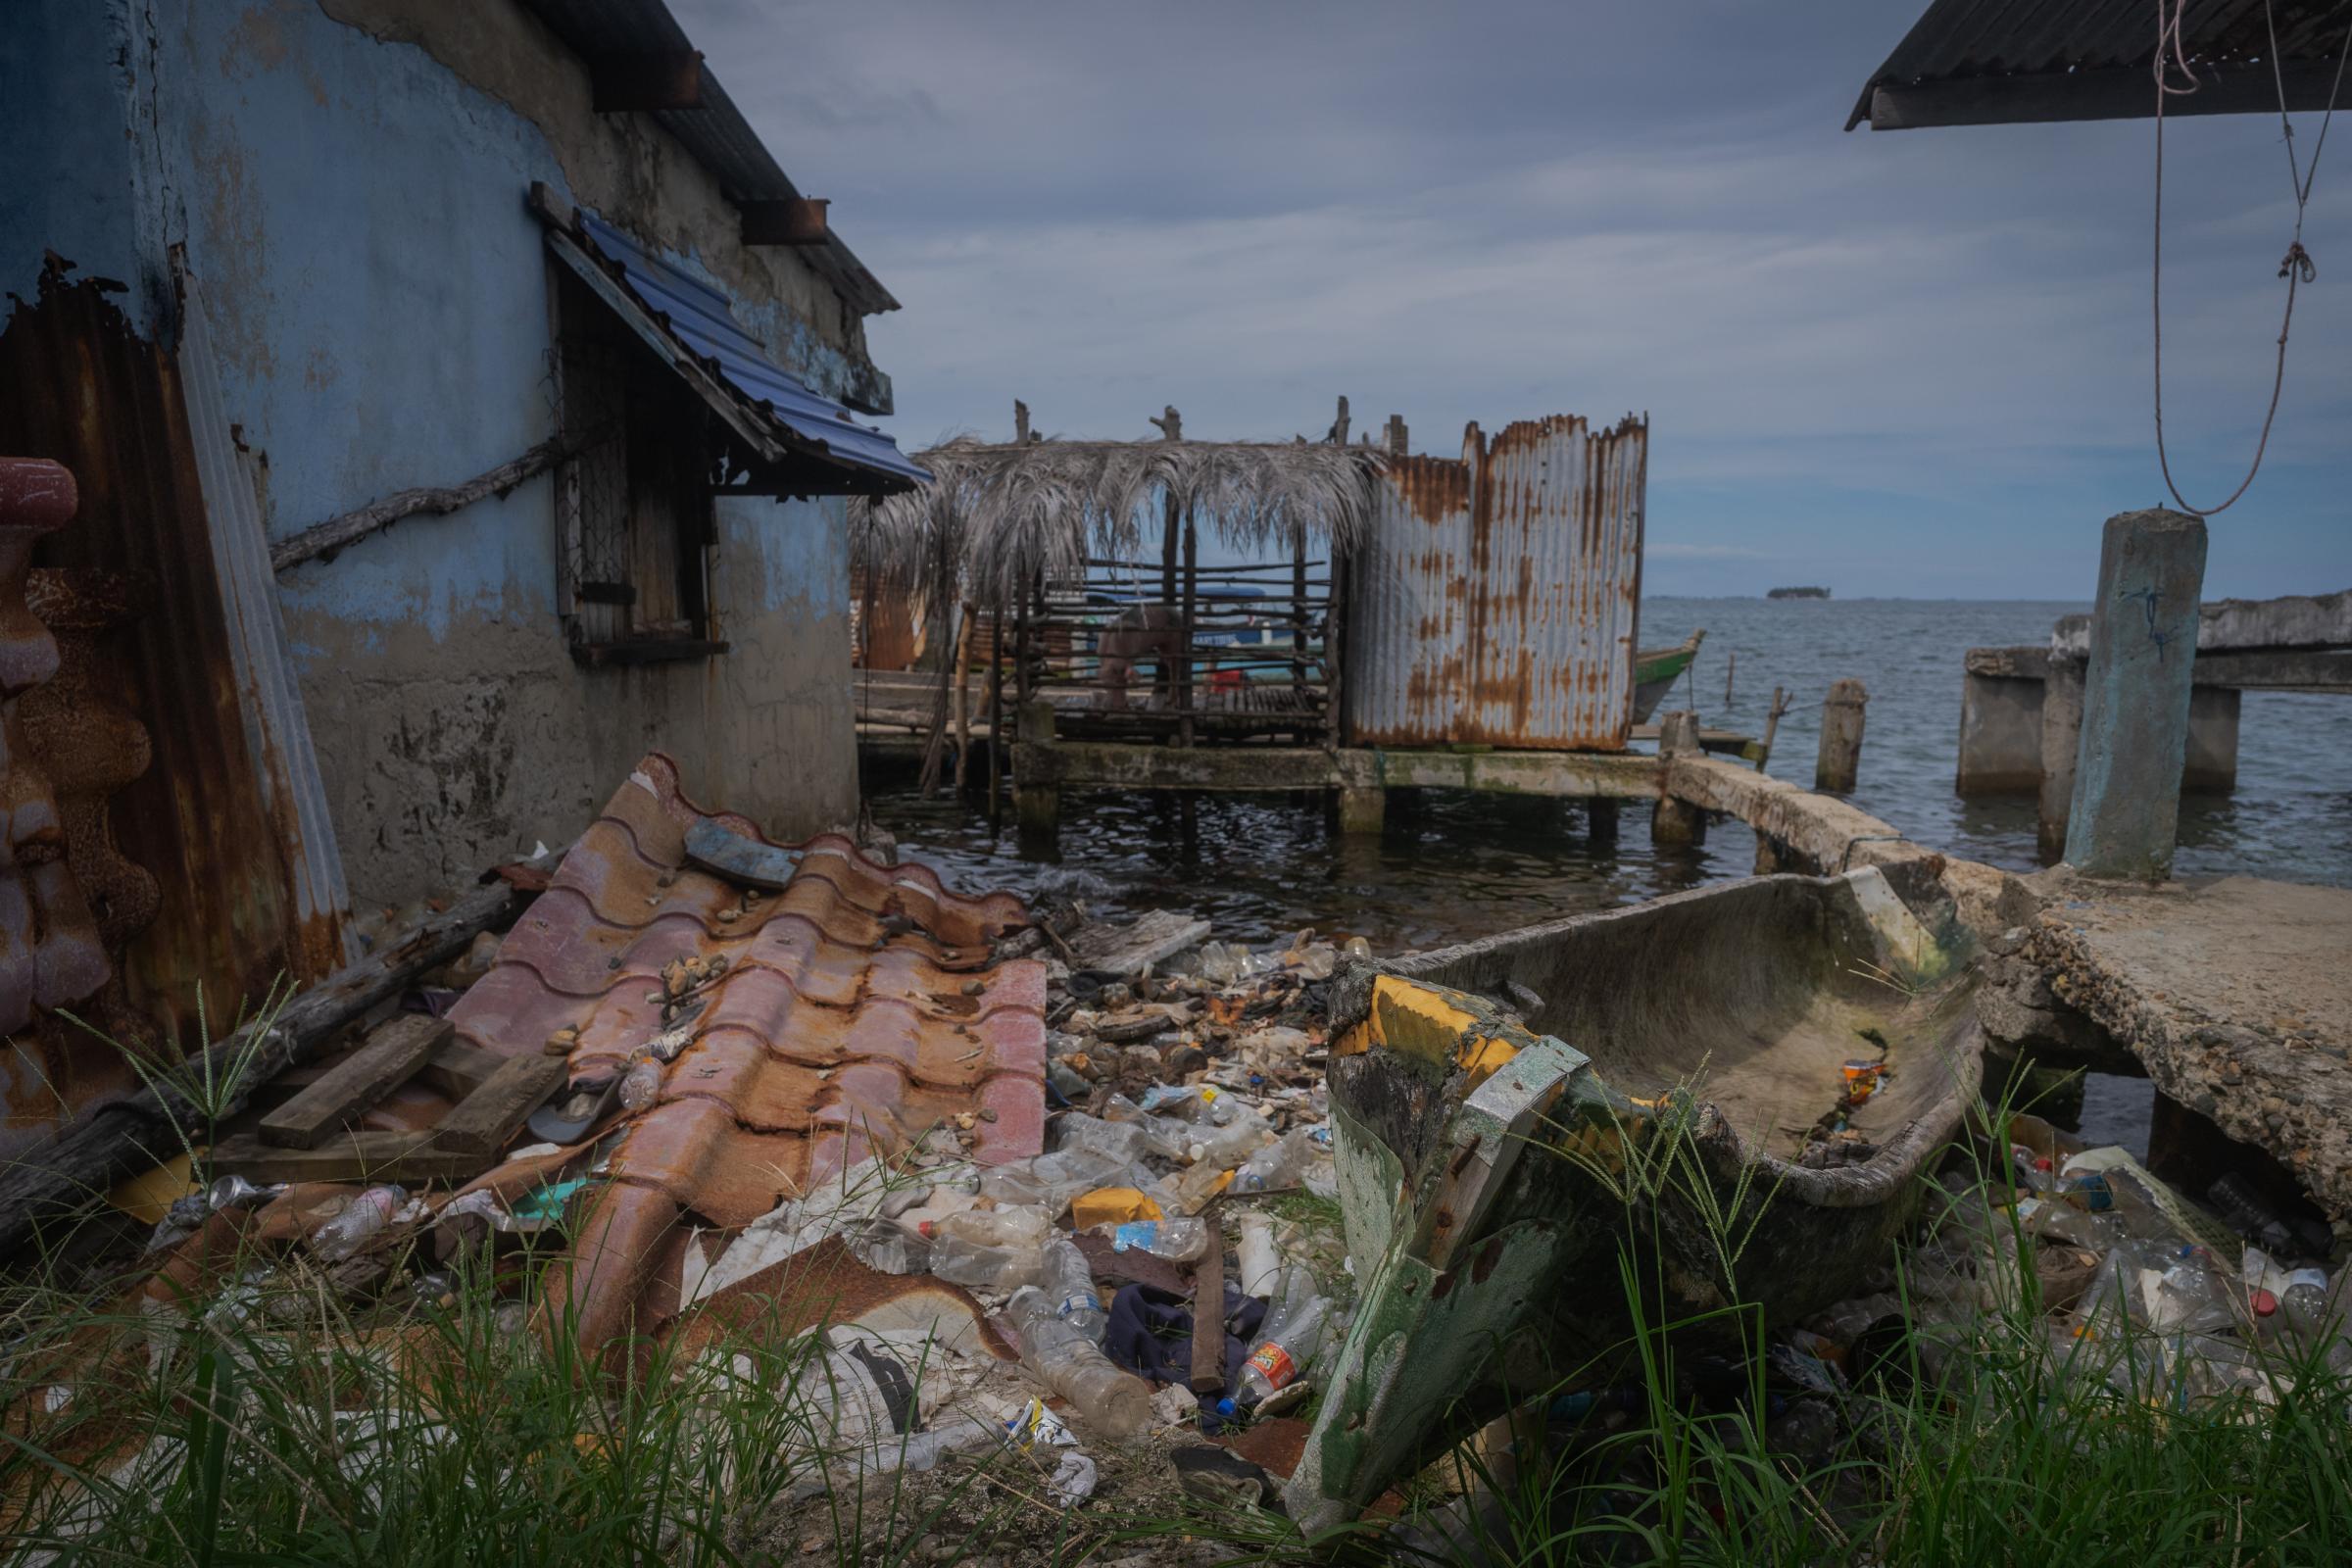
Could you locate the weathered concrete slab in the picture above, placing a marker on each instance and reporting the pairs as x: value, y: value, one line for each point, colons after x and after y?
x: 2235, y: 994
x: 2299, y: 620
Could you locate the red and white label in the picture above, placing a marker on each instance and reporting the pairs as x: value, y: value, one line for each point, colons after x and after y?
x: 1274, y: 1364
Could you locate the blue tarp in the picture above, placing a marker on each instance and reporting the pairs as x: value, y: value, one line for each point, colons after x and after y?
x: 697, y: 315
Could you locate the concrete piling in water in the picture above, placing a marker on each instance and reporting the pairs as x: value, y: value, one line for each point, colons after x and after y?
x: 1673, y: 822
x: 2125, y: 805
x: 1037, y: 806
x: 1840, y: 760
x: 2061, y: 738
x: 1363, y: 810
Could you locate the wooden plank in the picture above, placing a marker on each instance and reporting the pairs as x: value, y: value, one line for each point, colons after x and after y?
x: 389, y: 1058
x: 457, y: 1069
x: 485, y: 1120
x: 406, y: 1158
x: 1209, y: 1317
x: 136, y: 1132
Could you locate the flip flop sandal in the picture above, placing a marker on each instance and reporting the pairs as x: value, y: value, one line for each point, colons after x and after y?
x: 567, y: 1118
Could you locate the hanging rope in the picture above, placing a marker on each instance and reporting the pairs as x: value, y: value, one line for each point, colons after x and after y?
x: 2296, y: 266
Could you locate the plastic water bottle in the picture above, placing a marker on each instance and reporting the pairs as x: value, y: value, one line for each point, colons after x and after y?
x: 1278, y: 1164
x: 1287, y: 1351
x: 642, y: 1086
x: 2249, y: 1214
x: 1070, y: 1284
x: 1166, y: 1139
x: 995, y: 1249
x: 1179, y: 1241
x: 1196, y: 1102
x: 1075, y: 1367
x: 362, y: 1218
x: 1051, y: 1181
x: 2191, y: 1297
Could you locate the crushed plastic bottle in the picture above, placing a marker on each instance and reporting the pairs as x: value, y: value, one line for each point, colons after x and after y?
x: 988, y: 1248
x: 2190, y: 1296
x: 2064, y: 1222
x: 1073, y: 1366
x: 1070, y: 1284
x: 1075, y: 1132
x: 1277, y: 1166
x: 362, y: 1218
x: 1179, y: 1241
x: 1051, y: 1181
x: 1166, y: 1139
x: 2249, y: 1213
x: 888, y: 1247
x: 1232, y: 1143
x: 1196, y: 1102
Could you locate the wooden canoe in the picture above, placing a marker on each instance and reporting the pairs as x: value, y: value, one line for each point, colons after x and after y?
x: 1513, y: 1116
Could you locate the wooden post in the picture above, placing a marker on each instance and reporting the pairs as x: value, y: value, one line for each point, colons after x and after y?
x: 963, y: 692
x: 1037, y: 806
x: 1209, y: 1316
x: 996, y: 716
x: 1397, y: 435
x: 1184, y: 660
x: 1771, y: 725
x: 2135, y: 695
x: 1840, y: 760
x: 1020, y: 422
x: 1298, y: 616
x: 1339, y: 427
x: 1673, y: 821
x: 1731, y: 667
x: 1334, y: 650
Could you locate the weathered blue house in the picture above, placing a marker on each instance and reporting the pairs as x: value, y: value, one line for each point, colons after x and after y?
x: 462, y: 402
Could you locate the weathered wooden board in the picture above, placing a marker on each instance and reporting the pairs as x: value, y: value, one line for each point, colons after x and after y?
x: 391, y: 1056
x: 485, y: 1120
x: 406, y: 1158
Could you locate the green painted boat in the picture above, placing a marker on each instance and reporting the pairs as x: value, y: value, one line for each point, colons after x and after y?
x: 1656, y: 669
x: 1507, y: 1113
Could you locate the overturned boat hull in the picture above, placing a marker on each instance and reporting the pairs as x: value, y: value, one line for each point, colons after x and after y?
x: 1517, y: 1117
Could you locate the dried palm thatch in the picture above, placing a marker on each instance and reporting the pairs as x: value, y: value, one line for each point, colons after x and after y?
x: 1010, y: 512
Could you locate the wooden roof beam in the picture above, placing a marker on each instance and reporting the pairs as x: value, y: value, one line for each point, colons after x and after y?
x: 800, y: 221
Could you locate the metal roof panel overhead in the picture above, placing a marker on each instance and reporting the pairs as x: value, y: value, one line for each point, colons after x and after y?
x: 690, y: 325
x: 2003, y: 62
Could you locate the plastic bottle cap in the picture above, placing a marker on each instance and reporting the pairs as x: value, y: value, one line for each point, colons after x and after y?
x: 1227, y: 1408
x: 2265, y: 1304
x: 927, y: 1228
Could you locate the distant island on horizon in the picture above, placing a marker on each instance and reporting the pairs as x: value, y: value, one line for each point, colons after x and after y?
x: 1798, y: 593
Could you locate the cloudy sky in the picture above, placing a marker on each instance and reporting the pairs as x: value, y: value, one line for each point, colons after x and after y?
x: 1907, y: 364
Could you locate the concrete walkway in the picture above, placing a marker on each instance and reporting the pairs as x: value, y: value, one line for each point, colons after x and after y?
x: 2236, y: 995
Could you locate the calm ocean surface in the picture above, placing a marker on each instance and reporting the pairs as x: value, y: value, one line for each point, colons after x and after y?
x: 1453, y: 865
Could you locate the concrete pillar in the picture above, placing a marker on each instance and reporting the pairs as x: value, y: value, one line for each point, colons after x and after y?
x: 1770, y: 859
x: 2061, y: 738
x: 2000, y: 722
x: 2144, y: 647
x: 2211, y: 764
x: 1840, y: 760
x: 1674, y: 821
x: 1363, y: 810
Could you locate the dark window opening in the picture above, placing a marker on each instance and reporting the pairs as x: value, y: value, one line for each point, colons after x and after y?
x: 634, y: 503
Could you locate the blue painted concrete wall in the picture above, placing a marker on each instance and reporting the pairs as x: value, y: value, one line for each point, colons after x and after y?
x: 378, y: 294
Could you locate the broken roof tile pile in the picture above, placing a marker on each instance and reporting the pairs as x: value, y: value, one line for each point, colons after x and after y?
x: 858, y: 1008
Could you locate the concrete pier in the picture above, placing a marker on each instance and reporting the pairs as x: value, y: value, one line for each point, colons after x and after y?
x: 2143, y: 643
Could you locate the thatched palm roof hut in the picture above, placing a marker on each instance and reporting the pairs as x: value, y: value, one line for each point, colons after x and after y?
x: 1006, y: 513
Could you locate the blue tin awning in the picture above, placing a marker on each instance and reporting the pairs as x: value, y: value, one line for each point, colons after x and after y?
x: 687, y: 323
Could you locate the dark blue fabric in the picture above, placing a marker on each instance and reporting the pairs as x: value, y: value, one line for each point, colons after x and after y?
x: 1151, y: 1332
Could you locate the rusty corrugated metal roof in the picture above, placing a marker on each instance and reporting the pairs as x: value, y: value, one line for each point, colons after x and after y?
x: 1999, y: 62
x: 858, y: 1008
x: 1497, y: 600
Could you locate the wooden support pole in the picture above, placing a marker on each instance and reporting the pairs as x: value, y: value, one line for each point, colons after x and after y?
x: 995, y: 717
x: 963, y: 692
x: 1731, y: 667
x: 1037, y: 800
x: 1840, y: 760
x: 1771, y: 725
x: 1184, y: 660
x: 2135, y: 695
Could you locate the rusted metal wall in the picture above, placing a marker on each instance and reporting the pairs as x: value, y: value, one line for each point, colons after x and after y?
x: 1496, y: 601
x: 168, y: 831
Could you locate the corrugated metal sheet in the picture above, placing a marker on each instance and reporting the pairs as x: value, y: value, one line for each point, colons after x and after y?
x: 277, y: 729
x: 1498, y: 598
x: 142, y: 733
x: 842, y: 1025
x: 2061, y: 60
x: 697, y: 315
x: 716, y: 135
